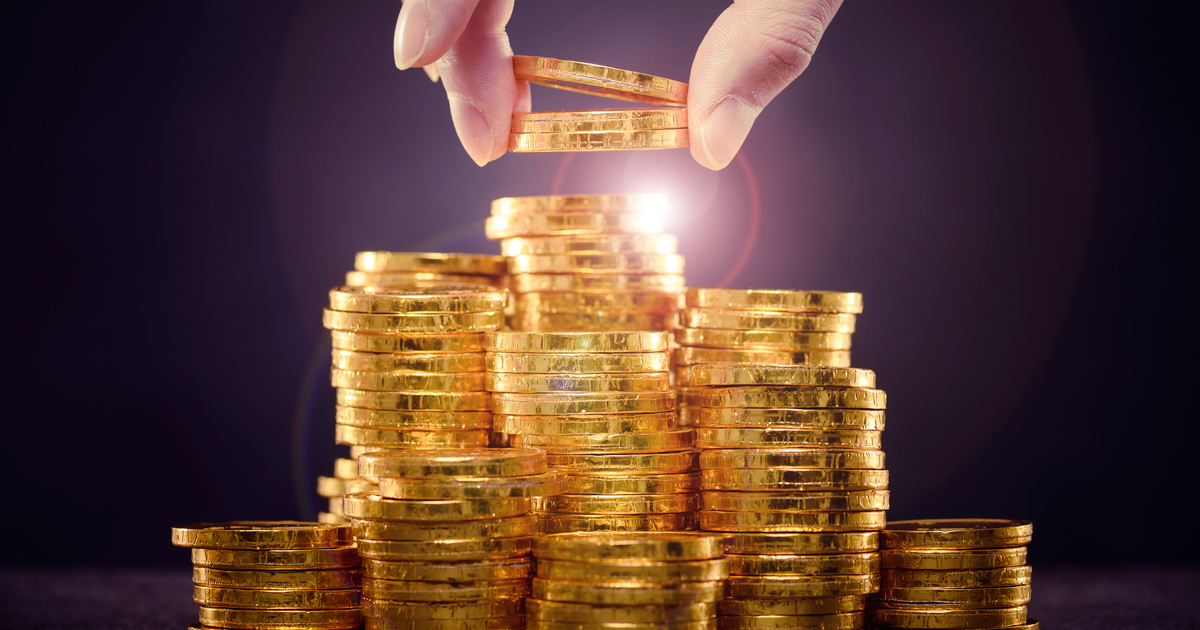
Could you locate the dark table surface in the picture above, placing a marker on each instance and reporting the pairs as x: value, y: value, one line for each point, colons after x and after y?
x: 1103, y: 597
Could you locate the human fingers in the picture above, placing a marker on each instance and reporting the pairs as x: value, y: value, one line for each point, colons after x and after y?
x: 426, y: 29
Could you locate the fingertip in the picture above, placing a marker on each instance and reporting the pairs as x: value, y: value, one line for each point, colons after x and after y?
x: 717, y: 139
x: 412, y: 32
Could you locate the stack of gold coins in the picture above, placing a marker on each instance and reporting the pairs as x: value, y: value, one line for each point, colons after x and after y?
x: 589, y: 262
x: 345, y: 480
x: 627, y: 581
x: 280, y: 574
x: 792, y: 467
x: 761, y: 327
x: 445, y: 541
x: 601, y: 406
x: 409, y: 367
x: 960, y: 573
x: 406, y: 269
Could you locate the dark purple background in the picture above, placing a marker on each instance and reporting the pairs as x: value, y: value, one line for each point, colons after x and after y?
x: 1007, y: 183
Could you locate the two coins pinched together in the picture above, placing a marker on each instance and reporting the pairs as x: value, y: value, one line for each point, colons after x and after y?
x: 663, y: 127
x: 278, y: 574
x: 968, y: 573
x: 588, y: 262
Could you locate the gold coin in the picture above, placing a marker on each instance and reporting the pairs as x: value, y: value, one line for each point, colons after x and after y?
x: 733, y: 417
x: 629, y: 302
x: 609, y: 82
x: 622, y: 341
x: 791, y: 458
x: 565, y: 612
x: 597, y: 263
x: 567, y: 322
x: 335, y: 507
x: 571, y: 223
x: 707, y: 624
x: 772, y: 300
x: 953, y: 559
x: 578, y: 362
x: 255, y: 619
x: 276, y: 559
x: 344, y: 468
x: 377, y: 342
x: 410, y: 438
x: 823, y: 564
x: 766, y: 320
x: 630, y: 547
x: 430, y: 420
x: 792, y: 521
x: 410, y: 591
x: 791, y: 376
x: 834, y: 621
x: 465, y: 298
x: 356, y: 451
x: 607, y: 283
x: 332, y: 519
x: 633, y: 484
x: 618, y: 503
x: 479, y: 571
x: 400, y: 381
x: 373, y: 506
x: 444, y: 550
x: 990, y: 597
x: 795, y: 397
x: 436, y: 612
x: 623, y: 464
x: 583, y: 403
x: 261, y: 535
x: 553, y: 523
x: 1021, y: 575
x: 275, y: 598
x: 330, y: 487
x: 480, y: 264
x: 489, y: 462
x: 771, y: 586
x: 786, y: 437
x: 797, y: 543
x: 971, y: 533
x: 413, y: 323
x: 687, y: 571
x: 414, y: 400
x: 795, y: 502
x: 601, y: 120
x: 636, y: 202
x: 409, y: 279
x: 495, y: 623
x: 793, y: 606
x: 409, y: 361
x: 576, y: 425
x: 695, y: 356
x: 938, y: 617
x: 614, y: 244
x: 547, y: 483
x: 798, y: 479
x: 525, y: 525
x: 779, y: 340
x: 633, y: 593
x: 285, y: 579
x: 658, y: 442
x: 530, y: 383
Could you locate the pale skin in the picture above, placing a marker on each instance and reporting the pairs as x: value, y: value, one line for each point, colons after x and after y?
x: 753, y: 51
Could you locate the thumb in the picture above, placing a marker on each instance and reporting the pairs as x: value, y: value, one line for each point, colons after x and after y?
x: 754, y: 50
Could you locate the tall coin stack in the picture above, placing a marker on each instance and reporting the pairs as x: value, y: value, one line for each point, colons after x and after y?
x: 273, y: 574
x: 446, y: 541
x: 968, y: 573
x: 792, y: 467
x: 588, y: 262
x: 761, y: 327
x: 601, y: 406
x: 634, y: 580
x: 407, y: 269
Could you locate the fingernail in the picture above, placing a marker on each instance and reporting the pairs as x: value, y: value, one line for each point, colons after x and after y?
x: 723, y: 133
x: 431, y: 71
x: 473, y: 130
x: 410, y: 35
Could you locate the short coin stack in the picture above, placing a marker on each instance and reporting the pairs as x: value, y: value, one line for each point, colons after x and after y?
x: 277, y: 574
x: 604, y: 130
x: 600, y: 405
x: 627, y: 581
x: 406, y: 269
x: 792, y: 467
x: 589, y: 262
x: 962, y: 573
x: 446, y: 541
x: 762, y: 327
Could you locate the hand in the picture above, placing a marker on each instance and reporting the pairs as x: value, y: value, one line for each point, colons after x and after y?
x: 754, y: 50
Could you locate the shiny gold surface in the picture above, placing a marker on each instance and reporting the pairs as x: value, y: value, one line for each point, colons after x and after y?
x: 791, y: 458
x: 578, y: 362
x: 542, y: 610
x: 618, y: 503
x: 989, y: 597
x: 634, y: 202
x: 488, y: 462
x: 480, y: 264
x: 410, y: 438
x: 576, y: 425
x: 554, y: 523
x: 937, y: 618
x: 414, y: 400
x: 734, y: 417
x: 597, y: 263
x: 260, y: 535
x: 792, y: 606
x: 387, y: 279
x: 795, y: 501
x: 772, y: 586
x: 372, y: 506
x: 1021, y: 575
x: 509, y: 569
x: 599, y: 120
x: 277, y: 579
x: 251, y: 619
x: 823, y: 564
x: 792, y: 376
x: 556, y: 342
x: 778, y: 340
x: 630, y: 547
x: 629, y: 382
x: 584, y: 403
x: 795, y: 397
x: 420, y: 613
x: 774, y: 300
x: 786, y: 437
x: 444, y: 550
x: 977, y: 533
x: 412, y: 323
x: 833, y: 621
x: 287, y: 598
x: 600, y: 283
x: 633, y: 484
x: 572, y: 223
x: 430, y: 420
x: 549, y: 483
x: 792, y: 521
x: 613, y: 244
x: 609, y: 82
x: 801, y: 543
x: 953, y: 559
x: 275, y: 559
x: 659, y: 441
x: 694, y: 356
x: 685, y: 571
x: 392, y: 343
x: 627, y: 593
x: 800, y: 479
x: 411, y: 591
x: 466, y: 298
x: 401, y: 381
x: 496, y: 528
x: 623, y: 464
x: 597, y: 304
x: 409, y: 362
x: 523, y: 320
x: 766, y: 320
